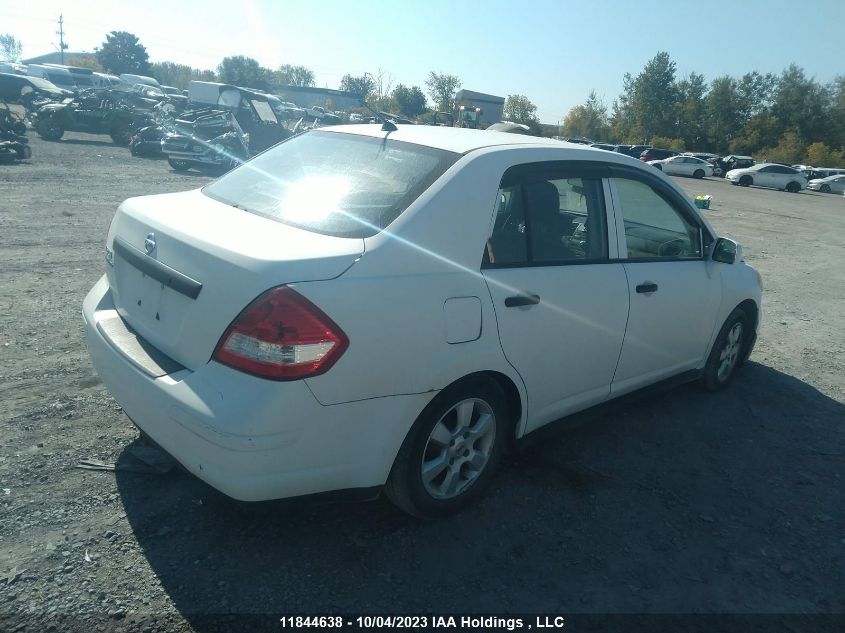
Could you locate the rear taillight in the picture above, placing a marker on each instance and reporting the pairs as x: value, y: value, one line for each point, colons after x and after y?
x: 282, y: 336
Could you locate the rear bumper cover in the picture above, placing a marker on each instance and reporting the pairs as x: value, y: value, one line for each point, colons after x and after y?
x: 250, y: 438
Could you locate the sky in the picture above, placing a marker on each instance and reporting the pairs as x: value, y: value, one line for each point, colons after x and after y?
x: 553, y: 52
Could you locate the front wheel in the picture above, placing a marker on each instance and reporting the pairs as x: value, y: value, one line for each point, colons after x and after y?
x: 50, y: 130
x: 825, y: 188
x: 727, y: 352
x: 452, y: 452
x: 699, y: 173
x: 745, y: 181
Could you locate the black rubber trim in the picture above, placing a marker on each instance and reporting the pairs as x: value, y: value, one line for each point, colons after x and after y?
x: 163, y: 273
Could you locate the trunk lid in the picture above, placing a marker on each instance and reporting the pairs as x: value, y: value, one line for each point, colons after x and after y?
x: 185, y: 265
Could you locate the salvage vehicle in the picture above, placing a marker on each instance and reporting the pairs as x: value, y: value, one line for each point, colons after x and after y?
x: 206, y: 139
x: 30, y: 92
x: 771, y: 175
x: 96, y: 111
x: 253, y: 110
x: 683, y: 166
x: 13, y: 143
x: 391, y: 308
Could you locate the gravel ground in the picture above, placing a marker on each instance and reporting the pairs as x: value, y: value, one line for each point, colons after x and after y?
x: 684, y: 502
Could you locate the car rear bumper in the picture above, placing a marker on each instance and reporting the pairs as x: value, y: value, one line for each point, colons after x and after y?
x: 250, y: 438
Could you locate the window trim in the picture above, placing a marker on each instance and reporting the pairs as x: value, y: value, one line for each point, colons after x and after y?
x: 544, y: 171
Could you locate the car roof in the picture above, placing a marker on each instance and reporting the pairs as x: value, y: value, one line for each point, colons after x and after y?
x: 463, y: 140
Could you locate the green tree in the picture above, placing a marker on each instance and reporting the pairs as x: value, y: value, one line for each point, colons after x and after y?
x: 442, y: 88
x: 722, y: 114
x: 178, y: 75
x: 88, y: 61
x: 589, y: 119
x: 820, y: 155
x: 122, y: 52
x: 790, y: 149
x: 409, y: 101
x: 763, y: 130
x: 837, y: 111
x: 10, y: 48
x: 363, y: 86
x: 622, y: 117
x: 801, y: 103
x: 663, y: 142
x: 655, y: 98
x: 246, y: 72
x: 691, y: 107
x: 289, y: 75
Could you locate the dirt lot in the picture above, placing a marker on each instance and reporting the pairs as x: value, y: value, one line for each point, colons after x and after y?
x: 686, y: 502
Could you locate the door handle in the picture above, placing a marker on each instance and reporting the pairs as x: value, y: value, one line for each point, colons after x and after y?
x: 522, y: 300
x: 647, y: 287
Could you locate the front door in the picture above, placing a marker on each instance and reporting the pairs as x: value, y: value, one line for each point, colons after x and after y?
x: 674, y: 298
x: 561, y: 303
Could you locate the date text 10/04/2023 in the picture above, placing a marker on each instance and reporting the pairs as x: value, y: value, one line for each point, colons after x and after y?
x: 369, y: 622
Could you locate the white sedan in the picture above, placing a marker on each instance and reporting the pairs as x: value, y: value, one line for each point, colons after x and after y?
x: 683, y: 166
x: 366, y: 308
x: 769, y: 175
x: 831, y: 184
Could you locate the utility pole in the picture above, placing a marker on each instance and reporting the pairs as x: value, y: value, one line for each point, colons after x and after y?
x: 61, y: 34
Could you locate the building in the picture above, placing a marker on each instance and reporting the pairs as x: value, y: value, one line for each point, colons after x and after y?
x: 491, y: 106
x: 307, y: 96
x: 55, y: 57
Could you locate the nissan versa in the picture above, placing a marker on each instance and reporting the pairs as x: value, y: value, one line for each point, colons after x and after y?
x: 371, y: 308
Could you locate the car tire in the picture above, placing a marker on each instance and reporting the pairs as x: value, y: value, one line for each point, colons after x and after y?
x: 698, y: 173
x: 727, y: 353
x: 453, y: 450
x: 825, y: 188
x: 179, y: 165
x: 50, y: 130
x: 746, y: 181
x: 793, y: 187
x: 120, y: 135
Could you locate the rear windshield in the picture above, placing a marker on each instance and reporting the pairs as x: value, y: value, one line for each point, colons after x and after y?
x: 335, y: 184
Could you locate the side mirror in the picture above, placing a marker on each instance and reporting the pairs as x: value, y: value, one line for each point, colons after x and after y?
x: 726, y: 251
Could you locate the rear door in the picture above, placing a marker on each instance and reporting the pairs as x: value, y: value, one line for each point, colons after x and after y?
x: 561, y: 301
x: 673, y: 298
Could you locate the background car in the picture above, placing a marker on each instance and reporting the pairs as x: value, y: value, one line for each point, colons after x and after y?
x: 683, y: 166
x: 769, y: 175
x: 656, y: 153
x: 831, y: 184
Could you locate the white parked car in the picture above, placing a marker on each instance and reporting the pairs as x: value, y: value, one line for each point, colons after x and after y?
x: 683, y: 166
x: 831, y: 184
x: 769, y: 175
x: 368, y: 310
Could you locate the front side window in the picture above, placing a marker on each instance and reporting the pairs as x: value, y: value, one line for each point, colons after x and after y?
x: 654, y: 229
x: 546, y: 221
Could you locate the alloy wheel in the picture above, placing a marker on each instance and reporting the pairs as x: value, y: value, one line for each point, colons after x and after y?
x: 730, y: 352
x: 458, y: 448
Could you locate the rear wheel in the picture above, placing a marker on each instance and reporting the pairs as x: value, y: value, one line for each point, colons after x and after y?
x: 452, y: 451
x: 793, y: 187
x: 699, y: 173
x: 727, y: 352
x: 50, y: 130
x: 746, y: 181
x: 120, y: 135
x: 179, y: 165
x: 825, y: 188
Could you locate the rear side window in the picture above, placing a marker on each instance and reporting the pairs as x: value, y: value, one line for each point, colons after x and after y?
x: 331, y: 183
x: 547, y: 221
